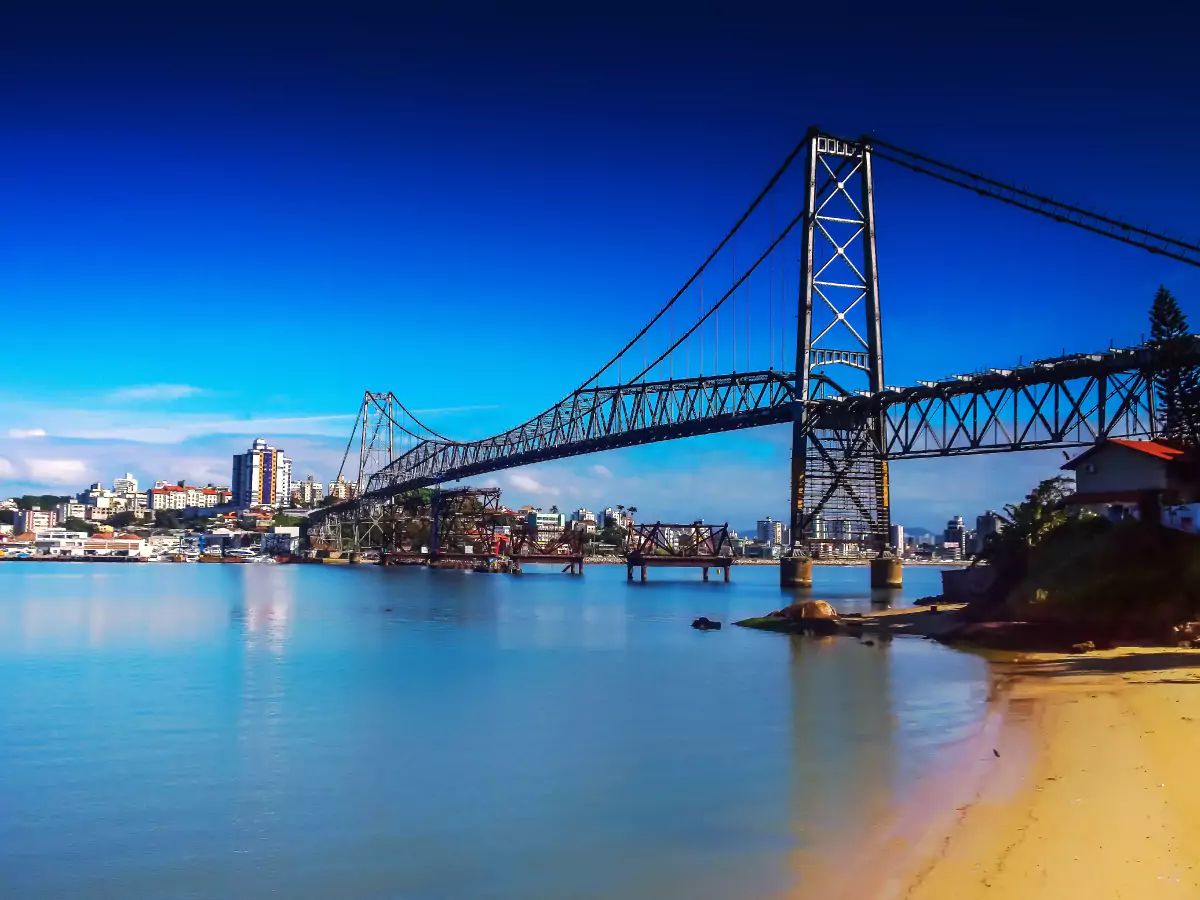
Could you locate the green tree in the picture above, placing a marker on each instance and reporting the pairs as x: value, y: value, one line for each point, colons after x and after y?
x: 41, y: 501
x: 613, y: 534
x: 633, y: 510
x: 286, y: 521
x: 74, y: 524
x: 1026, y: 524
x: 123, y: 519
x: 167, y: 518
x: 7, y: 517
x: 554, y: 509
x: 1177, y: 383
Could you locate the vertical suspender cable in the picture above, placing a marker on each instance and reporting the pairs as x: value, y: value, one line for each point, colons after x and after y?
x: 783, y: 310
x: 771, y: 285
x: 733, y: 314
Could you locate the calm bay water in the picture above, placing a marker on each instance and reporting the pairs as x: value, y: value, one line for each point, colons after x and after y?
x: 203, y: 731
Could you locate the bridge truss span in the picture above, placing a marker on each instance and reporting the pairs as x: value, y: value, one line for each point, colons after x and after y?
x: 1068, y: 402
x: 600, y: 418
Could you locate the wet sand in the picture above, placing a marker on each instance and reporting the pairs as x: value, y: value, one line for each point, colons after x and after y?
x: 1084, y: 783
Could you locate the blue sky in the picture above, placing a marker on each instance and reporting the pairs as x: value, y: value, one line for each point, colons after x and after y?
x: 221, y: 229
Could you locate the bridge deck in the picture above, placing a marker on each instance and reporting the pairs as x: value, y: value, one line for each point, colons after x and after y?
x: 677, y: 562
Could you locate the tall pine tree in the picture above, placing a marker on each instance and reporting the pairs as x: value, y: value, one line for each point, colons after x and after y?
x: 1177, y: 382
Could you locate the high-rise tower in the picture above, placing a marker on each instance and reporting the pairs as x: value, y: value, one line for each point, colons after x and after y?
x: 261, y: 475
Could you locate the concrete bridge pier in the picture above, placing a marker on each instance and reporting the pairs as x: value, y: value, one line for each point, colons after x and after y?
x: 887, y: 572
x: 795, y: 571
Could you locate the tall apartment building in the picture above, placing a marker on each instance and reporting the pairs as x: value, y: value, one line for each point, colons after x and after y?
x: 126, y: 484
x: 70, y: 509
x: 956, y: 533
x: 770, y: 531
x: 307, y: 493
x: 343, y: 489
x: 262, y: 476
x: 35, y: 519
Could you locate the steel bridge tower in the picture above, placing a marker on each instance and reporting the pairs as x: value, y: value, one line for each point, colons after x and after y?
x: 839, y: 478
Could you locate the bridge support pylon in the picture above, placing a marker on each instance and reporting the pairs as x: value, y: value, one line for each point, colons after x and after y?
x: 887, y: 572
x: 795, y: 571
x: 838, y: 503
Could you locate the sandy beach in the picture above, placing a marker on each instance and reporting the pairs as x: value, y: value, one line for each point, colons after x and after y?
x: 1083, y: 783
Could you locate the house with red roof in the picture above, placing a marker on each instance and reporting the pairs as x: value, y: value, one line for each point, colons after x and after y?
x: 1119, y: 475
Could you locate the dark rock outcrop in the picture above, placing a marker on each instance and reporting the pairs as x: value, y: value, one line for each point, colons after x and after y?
x: 704, y: 623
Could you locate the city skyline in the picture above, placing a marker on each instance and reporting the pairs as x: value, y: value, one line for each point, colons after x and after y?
x: 308, y: 193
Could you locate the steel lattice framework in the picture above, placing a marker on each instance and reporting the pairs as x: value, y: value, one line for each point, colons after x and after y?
x: 600, y: 418
x: 839, y: 476
x: 846, y: 424
x: 1070, y: 401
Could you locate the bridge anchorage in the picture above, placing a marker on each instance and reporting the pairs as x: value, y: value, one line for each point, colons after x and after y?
x: 724, y: 354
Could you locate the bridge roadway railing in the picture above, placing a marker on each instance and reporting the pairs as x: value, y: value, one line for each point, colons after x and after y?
x: 1062, y: 402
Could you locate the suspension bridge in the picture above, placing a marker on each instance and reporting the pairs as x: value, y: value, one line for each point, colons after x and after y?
x: 781, y: 323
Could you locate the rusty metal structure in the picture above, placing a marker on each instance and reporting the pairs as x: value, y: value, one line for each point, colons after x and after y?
x: 557, y: 547
x: 673, y: 545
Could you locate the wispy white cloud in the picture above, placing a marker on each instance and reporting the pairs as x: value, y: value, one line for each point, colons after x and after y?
x: 602, y: 471
x: 528, y: 483
x: 143, y: 392
x: 7, y: 469
x: 168, y: 428
x: 57, y: 471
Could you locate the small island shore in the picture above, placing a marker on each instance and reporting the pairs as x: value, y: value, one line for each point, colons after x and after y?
x: 1082, y: 783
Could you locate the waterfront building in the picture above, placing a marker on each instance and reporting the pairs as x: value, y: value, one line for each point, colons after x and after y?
x: 956, y: 533
x: 307, y: 493
x: 583, y: 515
x: 896, y: 538
x: 770, y: 532
x: 261, y: 475
x: 60, y: 542
x: 547, y: 525
x: 34, y: 520
x: 281, y: 540
x: 951, y: 550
